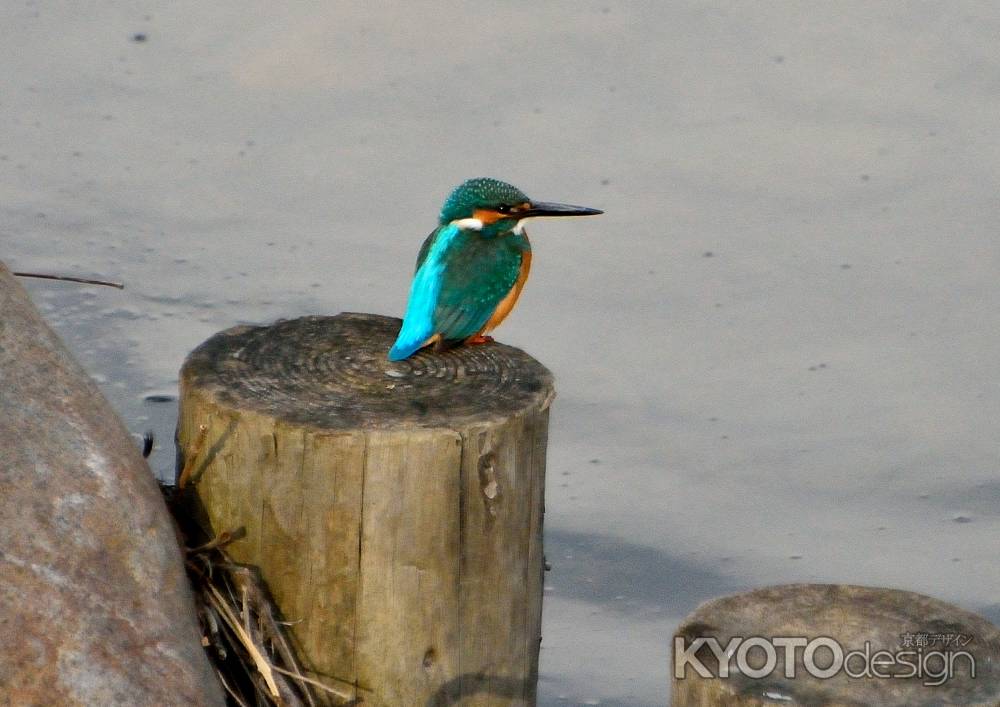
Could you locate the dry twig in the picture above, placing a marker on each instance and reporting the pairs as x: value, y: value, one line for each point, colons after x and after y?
x: 192, y: 456
x: 248, y: 645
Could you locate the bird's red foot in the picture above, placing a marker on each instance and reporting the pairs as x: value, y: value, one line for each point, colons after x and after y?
x: 479, y: 339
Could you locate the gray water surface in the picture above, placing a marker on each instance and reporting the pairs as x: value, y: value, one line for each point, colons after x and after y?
x: 776, y: 353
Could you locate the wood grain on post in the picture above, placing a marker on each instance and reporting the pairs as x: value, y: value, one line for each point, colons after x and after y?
x: 394, y: 509
x: 888, y: 620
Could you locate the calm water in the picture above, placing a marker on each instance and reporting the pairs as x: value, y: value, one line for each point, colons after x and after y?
x: 776, y: 353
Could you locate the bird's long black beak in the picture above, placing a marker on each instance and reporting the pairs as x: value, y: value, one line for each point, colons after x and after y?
x: 545, y: 208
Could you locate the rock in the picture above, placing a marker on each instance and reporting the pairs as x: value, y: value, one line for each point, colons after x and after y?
x: 95, y: 608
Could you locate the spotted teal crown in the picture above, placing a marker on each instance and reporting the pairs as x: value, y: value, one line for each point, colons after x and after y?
x: 479, y: 193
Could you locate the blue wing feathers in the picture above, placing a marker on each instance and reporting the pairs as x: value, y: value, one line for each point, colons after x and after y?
x: 418, y: 322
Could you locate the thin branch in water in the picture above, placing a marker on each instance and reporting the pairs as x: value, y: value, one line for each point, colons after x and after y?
x: 67, y: 278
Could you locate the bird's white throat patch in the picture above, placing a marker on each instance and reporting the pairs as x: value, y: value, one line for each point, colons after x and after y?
x: 468, y: 224
x: 475, y: 224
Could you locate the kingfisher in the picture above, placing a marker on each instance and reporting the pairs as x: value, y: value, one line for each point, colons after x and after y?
x: 472, y: 267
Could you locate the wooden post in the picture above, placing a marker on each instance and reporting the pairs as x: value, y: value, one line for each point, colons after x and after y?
x: 888, y: 620
x: 394, y: 509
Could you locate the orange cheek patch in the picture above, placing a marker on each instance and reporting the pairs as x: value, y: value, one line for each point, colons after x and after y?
x: 487, y: 216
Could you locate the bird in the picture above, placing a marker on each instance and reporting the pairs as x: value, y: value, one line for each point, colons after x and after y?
x: 471, y: 268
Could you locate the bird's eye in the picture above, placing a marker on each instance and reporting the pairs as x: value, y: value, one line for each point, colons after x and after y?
x: 503, y: 209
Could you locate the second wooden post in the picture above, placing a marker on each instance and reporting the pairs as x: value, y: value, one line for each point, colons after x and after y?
x: 394, y: 509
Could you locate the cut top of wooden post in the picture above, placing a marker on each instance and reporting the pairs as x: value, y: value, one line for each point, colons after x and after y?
x: 898, y: 649
x: 332, y: 373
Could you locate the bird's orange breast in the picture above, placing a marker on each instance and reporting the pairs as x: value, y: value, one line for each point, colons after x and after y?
x: 508, y: 302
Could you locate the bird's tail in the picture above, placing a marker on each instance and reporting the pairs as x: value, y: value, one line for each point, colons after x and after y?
x: 410, y: 340
x: 401, y: 350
